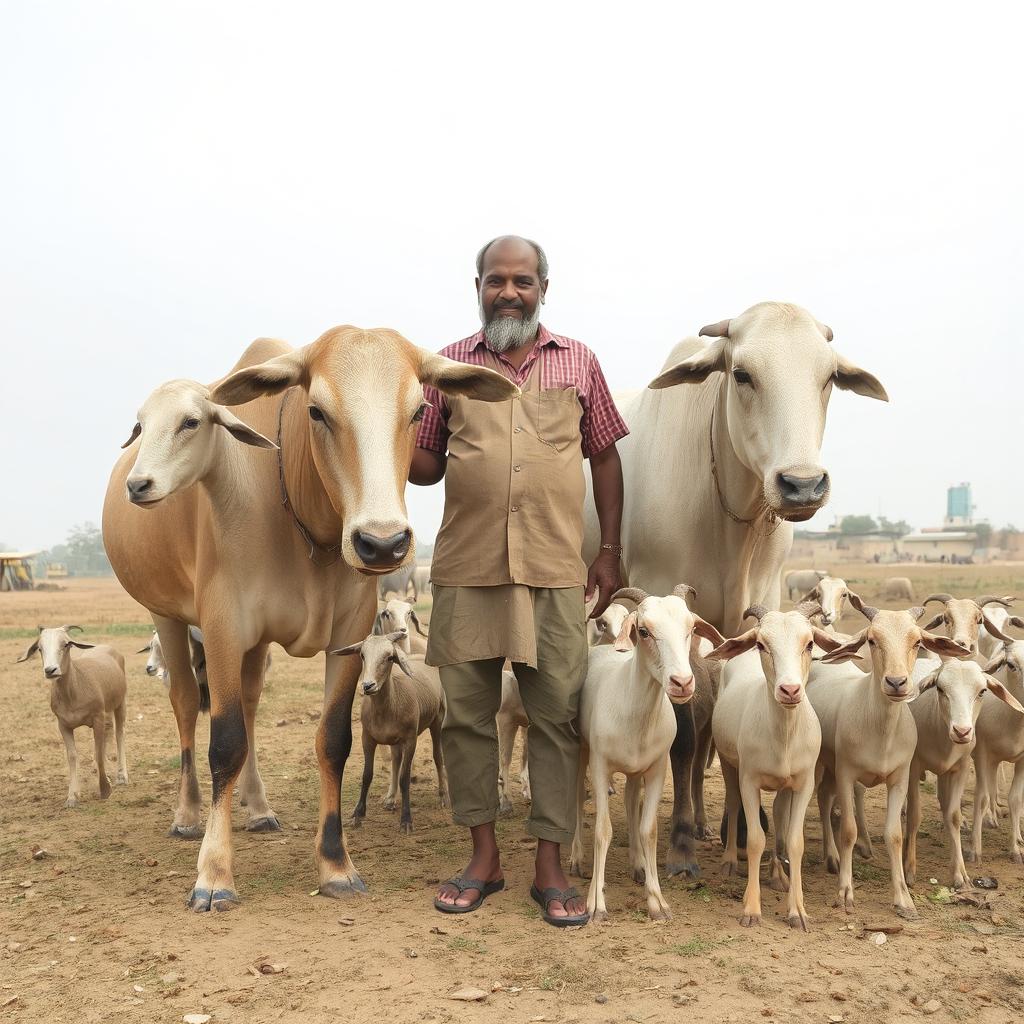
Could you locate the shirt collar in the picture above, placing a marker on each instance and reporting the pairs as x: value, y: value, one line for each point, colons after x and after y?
x: 544, y: 338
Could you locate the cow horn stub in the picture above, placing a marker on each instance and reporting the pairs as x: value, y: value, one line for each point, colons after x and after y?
x: 685, y: 591
x: 942, y: 598
x: 719, y: 330
x: 866, y: 610
x: 755, y: 611
x: 1006, y: 601
x: 634, y: 594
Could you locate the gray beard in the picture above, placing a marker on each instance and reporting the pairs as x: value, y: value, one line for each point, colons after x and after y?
x: 504, y: 333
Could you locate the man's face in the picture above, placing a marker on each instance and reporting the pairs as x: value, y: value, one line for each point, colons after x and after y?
x: 510, y: 293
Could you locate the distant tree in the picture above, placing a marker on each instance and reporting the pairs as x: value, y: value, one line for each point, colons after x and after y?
x: 858, y: 524
x: 901, y: 527
x: 983, y: 533
x: 83, y: 553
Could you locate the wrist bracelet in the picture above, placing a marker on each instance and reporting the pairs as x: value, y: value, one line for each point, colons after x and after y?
x: 615, y: 549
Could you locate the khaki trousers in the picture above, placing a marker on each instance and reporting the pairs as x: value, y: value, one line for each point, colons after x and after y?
x: 550, y: 695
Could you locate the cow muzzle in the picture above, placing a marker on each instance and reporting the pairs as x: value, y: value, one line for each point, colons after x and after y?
x: 381, y: 554
x: 801, y: 494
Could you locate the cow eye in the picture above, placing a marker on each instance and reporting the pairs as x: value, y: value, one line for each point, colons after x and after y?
x: 316, y: 414
x: 643, y: 631
x: 741, y: 376
x: 420, y: 412
x: 189, y: 423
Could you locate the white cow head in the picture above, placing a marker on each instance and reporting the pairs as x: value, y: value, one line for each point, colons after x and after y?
x: 779, y: 372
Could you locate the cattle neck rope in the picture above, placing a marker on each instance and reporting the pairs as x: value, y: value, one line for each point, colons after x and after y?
x: 334, y: 549
x: 771, y: 519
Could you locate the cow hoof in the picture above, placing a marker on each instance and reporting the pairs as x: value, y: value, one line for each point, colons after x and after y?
x: 864, y: 851
x: 1017, y: 857
x: 389, y: 803
x: 405, y: 828
x: 729, y: 868
x: 970, y: 858
x: 71, y: 802
x: 660, y: 914
x: 797, y: 922
x: 356, y: 821
x: 907, y: 913
x: 122, y: 779
x: 269, y: 823
x: 750, y: 920
x: 339, y: 888
x: 201, y: 901
x: 639, y: 876
x: 832, y: 865
x: 677, y: 867
x: 186, y: 832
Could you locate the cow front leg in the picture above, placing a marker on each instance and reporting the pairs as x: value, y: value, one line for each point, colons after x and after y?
x: 251, y: 792
x: 336, y: 872
x: 682, y: 852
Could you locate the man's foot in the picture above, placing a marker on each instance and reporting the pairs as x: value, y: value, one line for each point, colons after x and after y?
x: 549, y: 875
x: 484, y: 866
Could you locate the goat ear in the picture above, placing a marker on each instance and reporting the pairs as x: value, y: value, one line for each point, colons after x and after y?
x: 706, y: 630
x: 238, y: 430
x: 1003, y: 693
x: 416, y: 622
x: 30, y: 650
x: 994, y: 630
x: 997, y: 662
x: 849, y: 651
x: 395, y: 635
x: 694, y: 369
x: 81, y: 644
x: 934, y: 624
x: 454, y: 378
x: 626, y: 640
x: 737, y: 645
x: 1016, y: 620
x: 941, y: 645
x: 146, y: 649
x: 269, y: 378
x: 378, y: 624
x: 403, y: 664
x: 850, y: 377
x: 351, y: 649
x: 826, y: 641
x: 929, y: 681
x: 135, y: 434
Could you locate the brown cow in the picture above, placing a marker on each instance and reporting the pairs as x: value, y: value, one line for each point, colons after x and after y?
x: 269, y: 547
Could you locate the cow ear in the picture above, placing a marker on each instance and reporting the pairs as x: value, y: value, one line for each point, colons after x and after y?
x: 626, y: 640
x: 850, y: 377
x: 238, y: 430
x: 454, y: 378
x: 269, y: 378
x: 826, y: 641
x: 706, y: 630
x: 1003, y: 693
x: 737, y: 645
x: 694, y: 369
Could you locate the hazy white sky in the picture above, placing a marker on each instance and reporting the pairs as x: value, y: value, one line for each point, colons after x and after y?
x: 177, y: 179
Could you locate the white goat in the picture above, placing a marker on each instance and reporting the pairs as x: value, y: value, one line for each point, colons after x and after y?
x: 87, y: 688
x: 989, y: 645
x: 965, y: 620
x: 627, y: 724
x: 768, y: 737
x: 155, y: 664
x: 868, y: 735
x: 400, y: 616
x: 1001, y: 739
x: 607, y: 626
x: 394, y: 711
x: 945, y: 714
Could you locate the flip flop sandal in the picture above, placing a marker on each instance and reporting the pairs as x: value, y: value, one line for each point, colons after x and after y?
x: 462, y: 884
x: 549, y: 896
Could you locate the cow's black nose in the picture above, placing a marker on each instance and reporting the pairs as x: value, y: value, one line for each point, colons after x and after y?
x: 802, y: 490
x: 138, y: 486
x: 382, y: 551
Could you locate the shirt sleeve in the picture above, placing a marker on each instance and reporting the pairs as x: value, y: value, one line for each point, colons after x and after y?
x: 601, y: 424
x: 434, y: 433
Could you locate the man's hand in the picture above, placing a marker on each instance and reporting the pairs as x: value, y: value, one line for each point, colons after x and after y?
x: 606, y: 575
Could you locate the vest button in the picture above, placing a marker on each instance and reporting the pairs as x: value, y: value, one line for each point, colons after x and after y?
x: 515, y: 508
x: 517, y: 430
x: 516, y: 469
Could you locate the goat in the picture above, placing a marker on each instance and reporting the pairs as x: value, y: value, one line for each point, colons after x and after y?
x: 768, y: 737
x: 394, y: 711
x: 868, y: 735
x: 607, y: 626
x: 156, y: 666
x: 627, y: 724
x: 988, y: 645
x: 400, y: 616
x: 1000, y: 737
x: 945, y: 714
x: 963, y: 619
x: 86, y: 689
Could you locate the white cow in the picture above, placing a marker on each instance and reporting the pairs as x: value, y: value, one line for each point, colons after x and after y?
x: 715, y: 473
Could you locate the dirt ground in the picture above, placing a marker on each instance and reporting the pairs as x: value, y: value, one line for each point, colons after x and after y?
x: 97, y: 930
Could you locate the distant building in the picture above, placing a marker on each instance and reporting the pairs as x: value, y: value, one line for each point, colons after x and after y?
x: 938, y: 546
x: 959, y: 510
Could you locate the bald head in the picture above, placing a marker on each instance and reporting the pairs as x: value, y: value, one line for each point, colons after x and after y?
x: 513, y: 245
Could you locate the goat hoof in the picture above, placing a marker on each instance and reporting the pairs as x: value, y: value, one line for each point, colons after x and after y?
x: 339, y: 888
x: 1017, y: 857
x: 729, y: 868
x: 505, y: 808
x: 186, y: 832
x: 798, y: 922
x: 970, y: 857
x: 389, y: 803
x: 201, y: 901
x: 405, y: 828
x: 356, y: 821
x: 910, y: 876
x: 990, y: 821
x: 832, y: 865
x: 778, y: 883
x: 750, y: 920
x: 676, y: 867
x: 639, y: 876
x: 660, y: 914
x: 269, y: 823
x: 71, y: 802
x: 864, y: 851
x: 599, y: 916
x: 122, y: 779
x: 907, y: 913
x: 105, y: 792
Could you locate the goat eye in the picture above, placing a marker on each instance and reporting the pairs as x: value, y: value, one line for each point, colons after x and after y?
x: 760, y: 646
x: 316, y: 414
x: 643, y: 631
x: 189, y: 423
x: 871, y: 643
x: 420, y: 412
x: 741, y: 376
x: 810, y: 646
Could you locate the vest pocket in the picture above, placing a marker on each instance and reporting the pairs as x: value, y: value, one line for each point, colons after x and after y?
x: 558, y: 417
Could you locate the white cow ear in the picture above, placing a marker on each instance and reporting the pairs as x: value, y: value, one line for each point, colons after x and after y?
x: 454, y: 378
x: 695, y: 369
x: 238, y: 430
x: 267, y: 378
x: 851, y: 377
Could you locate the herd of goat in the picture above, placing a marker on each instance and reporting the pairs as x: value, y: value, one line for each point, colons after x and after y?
x: 784, y: 704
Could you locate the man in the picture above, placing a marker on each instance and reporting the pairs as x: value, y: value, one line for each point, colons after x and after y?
x: 509, y: 579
